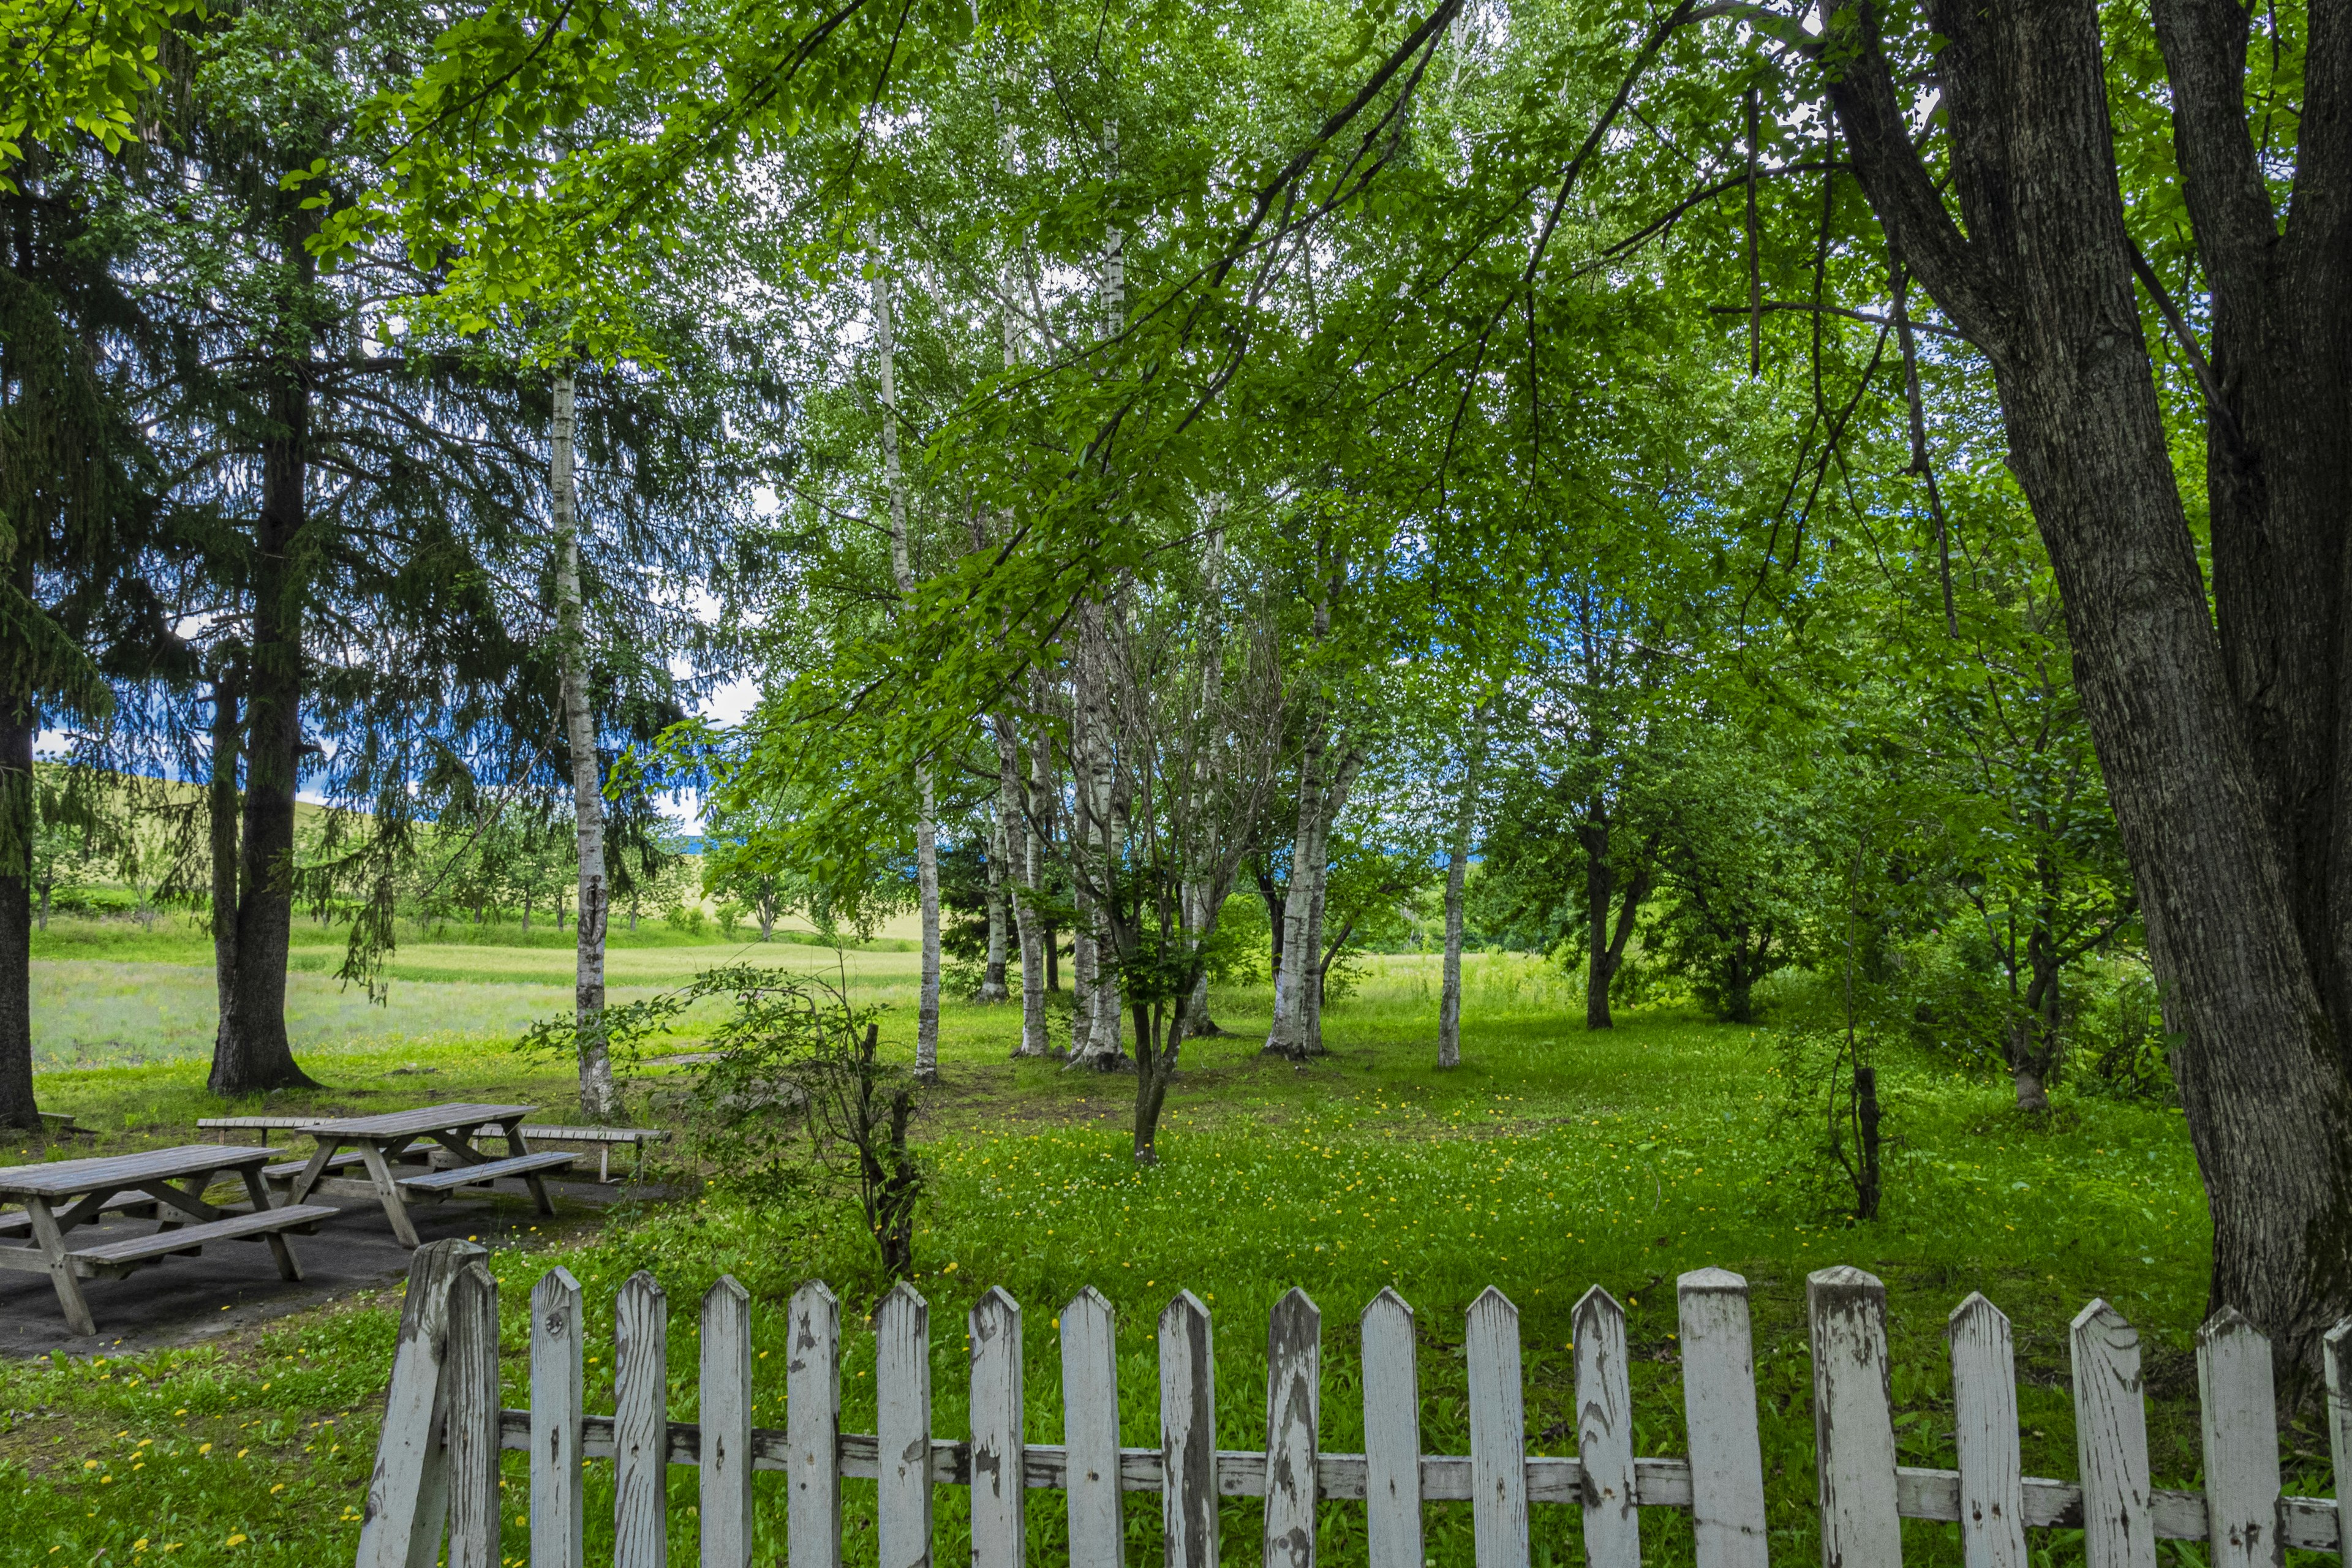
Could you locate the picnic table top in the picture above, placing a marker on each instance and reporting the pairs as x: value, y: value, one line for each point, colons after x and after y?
x: 68, y: 1178
x: 423, y: 1118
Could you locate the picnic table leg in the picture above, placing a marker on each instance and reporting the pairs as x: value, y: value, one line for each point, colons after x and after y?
x: 288, y: 1265
x: 306, y: 1180
x: 395, y: 1206
x: 539, y: 1191
x: 52, y: 1243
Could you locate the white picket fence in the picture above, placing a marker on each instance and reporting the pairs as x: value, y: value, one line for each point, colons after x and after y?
x: 438, y: 1466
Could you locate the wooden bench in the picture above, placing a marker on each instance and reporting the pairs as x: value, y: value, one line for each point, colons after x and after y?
x: 284, y: 1175
x: 603, y: 1138
x: 526, y: 1166
x: 117, y: 1258
x: 222, y: 1126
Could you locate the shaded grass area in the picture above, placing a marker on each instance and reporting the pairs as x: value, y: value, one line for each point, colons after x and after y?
x: 1554, y: 1160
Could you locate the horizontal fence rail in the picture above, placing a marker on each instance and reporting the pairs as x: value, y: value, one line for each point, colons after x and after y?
x: 438, y: 1466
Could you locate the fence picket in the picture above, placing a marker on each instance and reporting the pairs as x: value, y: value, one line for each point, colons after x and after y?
x: 999, y: 1523
x: 902, y: 1428
x: 725, y: 1510
x: 1984, y: 1416
x: 1720, y: 1410
x: 1188, y: 1434
x: 1090, y: 1430
x: 2111, y: 1441
x: 1604, y: 1434
x: 473, y: 1418
x: 443, y: 1429
x: 812, y: 1428
x: 1391, y: 1434
x: 641, y: 1425
x: 2338, y: 1351
x: 408, y: 1490
x: 1294, y: 1404
x: 558, y: 1534
x: 1498, y: 1452
x: 2240, y: 1420
x: 1854, y: 1428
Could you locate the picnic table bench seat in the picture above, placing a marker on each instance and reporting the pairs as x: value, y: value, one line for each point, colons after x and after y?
x: 458, y: 1176
x: 121, y: 1257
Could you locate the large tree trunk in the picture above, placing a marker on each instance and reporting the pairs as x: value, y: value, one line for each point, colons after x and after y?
x: 252, y: 1055
x: 597, y: 1091
x: 902, y: 571
x: 20, y: 721
x: 221, y: 798
x: 1457, y: 872
x: 1036, y: 936
x: 1609, y: 917
x: 2228, y: 794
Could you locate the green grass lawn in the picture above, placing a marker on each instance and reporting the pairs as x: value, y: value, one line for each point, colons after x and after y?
x: 1553, y: 1160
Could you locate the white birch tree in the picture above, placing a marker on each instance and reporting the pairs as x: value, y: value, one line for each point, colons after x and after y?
x: 596, y: 1092
x: 902, y: 571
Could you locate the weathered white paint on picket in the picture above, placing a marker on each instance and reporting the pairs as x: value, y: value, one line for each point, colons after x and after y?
x: 2336, y: 1350
x: 407, y: 1492
x: 724, y: 1509
x: 1188, y: 1434
x: 1726, y: 1458
x: 902, y: 1428
x: 1090, y: 1430
x: 1498, y: 1469
x: 1294, y: 1408
x: 473, y: 1419
x: 1391, y: 1434
x: 641, y: 1425
x: 1984, y: 1421
x: 558, y: 1400
x: 2111, y: 1441
x: 1864, y: 1494
x: 1854, y: 1428
x: 1604, y: 1434
x: 812, y: 1422
x: 999, y: 1523
x: 2242, y: 1479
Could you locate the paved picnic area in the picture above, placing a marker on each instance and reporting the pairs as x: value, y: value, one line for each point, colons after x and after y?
x: 232, y: 1283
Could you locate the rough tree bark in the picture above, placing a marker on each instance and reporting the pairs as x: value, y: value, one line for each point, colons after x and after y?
x: 251, y: 1054
x: 902, y: 571
x: 1609, y: 919
x: 1036, y: 937
x: 18, y: 1107
x: 1457, y: 874
x: 596, y: 1092
x: 2226, y: 750
x: 221, y: 799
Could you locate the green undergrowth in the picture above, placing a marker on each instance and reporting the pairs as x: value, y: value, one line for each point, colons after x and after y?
x: 1555, y: 1160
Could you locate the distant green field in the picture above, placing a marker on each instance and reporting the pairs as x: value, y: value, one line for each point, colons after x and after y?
x: 113, y: 993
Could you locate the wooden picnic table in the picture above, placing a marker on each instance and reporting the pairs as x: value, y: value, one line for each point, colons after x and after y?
x: 380, y: 1141
x: 168, y: 1182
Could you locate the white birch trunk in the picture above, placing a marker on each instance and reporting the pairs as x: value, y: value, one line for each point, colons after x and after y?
x: 927, y: 829
x: 1019, y: 854
x: 1034, y: 1040
x: 596, y: 1097
x: 992, y: 978
x: 1457, y: 871
x: 1099, y: 840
